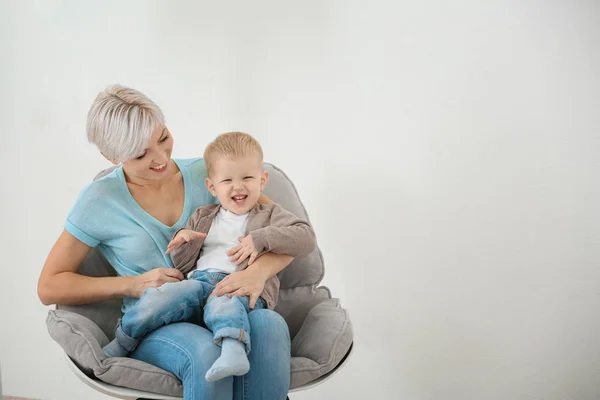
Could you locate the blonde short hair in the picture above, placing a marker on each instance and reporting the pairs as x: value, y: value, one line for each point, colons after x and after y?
x: 232, y: 145
x: 121, y: 121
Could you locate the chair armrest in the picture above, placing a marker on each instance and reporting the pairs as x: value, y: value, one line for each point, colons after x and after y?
x: 80, y: 338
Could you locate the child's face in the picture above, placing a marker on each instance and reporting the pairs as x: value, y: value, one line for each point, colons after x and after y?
x: 237, y: 183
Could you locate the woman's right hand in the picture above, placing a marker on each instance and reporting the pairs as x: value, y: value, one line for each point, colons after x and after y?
x: 156, y: 278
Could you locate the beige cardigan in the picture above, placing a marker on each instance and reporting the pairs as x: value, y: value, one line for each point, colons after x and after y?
x: 273, y: 230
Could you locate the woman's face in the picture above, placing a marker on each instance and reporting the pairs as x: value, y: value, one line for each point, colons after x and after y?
x: 154, y: 163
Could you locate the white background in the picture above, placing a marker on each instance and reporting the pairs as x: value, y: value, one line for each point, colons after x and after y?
x: 448, y: 154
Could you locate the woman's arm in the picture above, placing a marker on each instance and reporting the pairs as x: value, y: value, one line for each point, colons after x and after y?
x: 60, y: 283
x: 264, y: 199
x: 270, y: 264
x: 251, y: 281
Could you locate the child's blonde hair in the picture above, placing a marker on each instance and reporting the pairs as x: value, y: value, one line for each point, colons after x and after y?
x: 233, y: 145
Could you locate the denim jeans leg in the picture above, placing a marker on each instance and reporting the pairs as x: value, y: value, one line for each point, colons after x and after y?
x: 187, y: 351
x: 227, y: 317
x: 171, y: 302
x: 269, y: 375
x: 245, y: 300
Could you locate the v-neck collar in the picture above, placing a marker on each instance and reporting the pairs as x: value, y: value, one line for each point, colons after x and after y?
x: 186, y: 201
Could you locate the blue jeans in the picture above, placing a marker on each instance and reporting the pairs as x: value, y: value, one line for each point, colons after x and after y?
x: 226, y: 317
x: 187, y: 350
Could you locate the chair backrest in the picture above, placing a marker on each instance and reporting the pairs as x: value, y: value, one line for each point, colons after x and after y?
x: 298, y: 280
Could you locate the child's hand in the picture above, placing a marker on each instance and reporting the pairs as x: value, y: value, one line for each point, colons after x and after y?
x: 243, y: 250
x: 182, y: 237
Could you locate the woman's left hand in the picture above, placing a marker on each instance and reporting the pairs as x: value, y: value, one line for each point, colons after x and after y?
x: 249, y: 282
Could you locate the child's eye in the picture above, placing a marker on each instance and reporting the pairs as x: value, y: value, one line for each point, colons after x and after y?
x: 140, y: 157
x: 248, y: 177
x: 226, y: 180
x: 164, y: 139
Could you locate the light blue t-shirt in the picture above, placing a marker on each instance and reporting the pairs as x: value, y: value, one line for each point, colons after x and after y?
x: 107, y: 216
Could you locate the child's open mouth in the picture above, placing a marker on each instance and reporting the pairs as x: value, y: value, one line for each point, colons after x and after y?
x: 239, y: 199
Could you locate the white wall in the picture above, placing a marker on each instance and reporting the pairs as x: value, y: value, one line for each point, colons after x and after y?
x: 448, y: 155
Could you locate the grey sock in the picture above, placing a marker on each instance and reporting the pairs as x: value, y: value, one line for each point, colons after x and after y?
x: 114, y: 349
x: 233, y: 361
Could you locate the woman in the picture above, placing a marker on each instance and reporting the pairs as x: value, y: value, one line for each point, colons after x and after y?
x: 131, y: 215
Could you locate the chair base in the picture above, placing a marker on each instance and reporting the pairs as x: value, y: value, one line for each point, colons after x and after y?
x: 328, y: 375
x: 287, y: 398
x: 132, y: 394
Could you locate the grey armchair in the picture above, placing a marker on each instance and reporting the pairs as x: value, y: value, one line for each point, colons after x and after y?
x: 320, y: 328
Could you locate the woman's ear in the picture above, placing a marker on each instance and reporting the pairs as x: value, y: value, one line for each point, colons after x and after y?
x: 263, y: 180
x: 210, y: 186
x: 110, y: 160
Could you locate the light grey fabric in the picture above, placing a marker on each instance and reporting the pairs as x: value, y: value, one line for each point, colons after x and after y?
x: 83, y: 340
x: 321, y: 343
x: 295, y: 303
x: 320, y: 329
x: 104, y: 313
x: 80, y: 338
x: 303, y: 271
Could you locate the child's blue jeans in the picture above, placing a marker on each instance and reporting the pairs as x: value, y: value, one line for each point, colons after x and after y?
x: 226, y: 317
